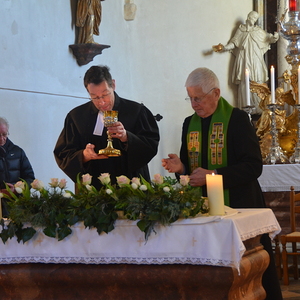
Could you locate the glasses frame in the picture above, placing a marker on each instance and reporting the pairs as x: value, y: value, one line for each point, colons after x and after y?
x: 5, y: 135
x: 198, y: 100
x: 100, y: 97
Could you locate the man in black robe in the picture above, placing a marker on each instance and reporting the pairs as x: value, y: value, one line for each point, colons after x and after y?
x: 220, y: 139
x: 135, y: 134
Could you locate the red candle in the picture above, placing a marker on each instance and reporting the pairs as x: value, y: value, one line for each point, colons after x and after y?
x: 293, y: 5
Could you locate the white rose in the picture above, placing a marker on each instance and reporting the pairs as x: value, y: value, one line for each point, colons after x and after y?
x: 158, y: 179
x: 143, y: 187
x: 54, y: 182
x: 134, y: 186
x: 166, y: 189
x: 88, y: 187
x: 86, y: 179
x: 18, y: 190
x: 122, y: 180
x: 37, y: 184
x: 104, y: 178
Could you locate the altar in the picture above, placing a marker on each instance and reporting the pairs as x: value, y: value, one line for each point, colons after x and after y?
x: 276, y: 181
x: 199, y: 258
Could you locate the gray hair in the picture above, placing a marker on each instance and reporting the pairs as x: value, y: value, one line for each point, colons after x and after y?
x: 4, y: 121
x: 204, y: 78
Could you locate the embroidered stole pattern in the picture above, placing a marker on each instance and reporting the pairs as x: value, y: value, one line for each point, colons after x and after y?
x: 217, y: 154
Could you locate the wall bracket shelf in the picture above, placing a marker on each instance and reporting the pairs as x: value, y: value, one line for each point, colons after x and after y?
x: 85, y: 53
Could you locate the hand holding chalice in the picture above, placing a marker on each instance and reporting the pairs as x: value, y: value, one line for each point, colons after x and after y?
x: 110, y: 117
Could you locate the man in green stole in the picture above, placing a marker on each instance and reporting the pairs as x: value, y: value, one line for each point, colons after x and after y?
x: 220, y: 139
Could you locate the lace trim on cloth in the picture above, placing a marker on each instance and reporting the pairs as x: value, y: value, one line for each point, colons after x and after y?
x: 118, y: 260
x: 272, y: 230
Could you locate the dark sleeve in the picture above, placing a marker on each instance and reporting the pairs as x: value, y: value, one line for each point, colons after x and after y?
x: 244, y: 155
x: 26, y: 171
x: 183, y: 149
x: 143, y: 139
x: 68, y: 150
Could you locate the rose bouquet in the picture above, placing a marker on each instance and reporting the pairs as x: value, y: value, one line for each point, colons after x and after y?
x: 161, y: 201
x: 37, y: 207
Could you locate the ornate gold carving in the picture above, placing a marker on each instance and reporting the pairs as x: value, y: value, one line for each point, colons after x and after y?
x: 285, y: 125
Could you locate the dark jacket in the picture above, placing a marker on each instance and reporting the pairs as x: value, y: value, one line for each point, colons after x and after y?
x: 14, y: 164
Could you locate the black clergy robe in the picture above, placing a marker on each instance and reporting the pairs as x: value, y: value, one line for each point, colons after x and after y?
x: 141, y: 147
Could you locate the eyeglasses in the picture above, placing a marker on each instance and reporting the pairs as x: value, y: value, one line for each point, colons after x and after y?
x: 100, y: 97
x: 198, y: 100
x: 4, y: 135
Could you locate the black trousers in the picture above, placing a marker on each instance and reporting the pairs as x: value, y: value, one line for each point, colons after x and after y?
x: 270, y: 280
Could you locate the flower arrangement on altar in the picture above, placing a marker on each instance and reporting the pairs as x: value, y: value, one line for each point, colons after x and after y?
x: 54, y: 210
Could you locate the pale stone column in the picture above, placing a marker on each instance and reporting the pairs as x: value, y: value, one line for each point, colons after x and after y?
x: 282, y: 43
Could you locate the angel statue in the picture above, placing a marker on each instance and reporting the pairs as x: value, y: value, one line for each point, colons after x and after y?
x: 88, y: 18
x: 249, y: 44
x: 264, y: 122
x: 263, y: 92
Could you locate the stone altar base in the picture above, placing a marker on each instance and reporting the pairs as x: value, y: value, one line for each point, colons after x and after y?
x: 129, y: 281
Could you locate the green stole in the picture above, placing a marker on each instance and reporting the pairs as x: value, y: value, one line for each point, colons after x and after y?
x: 217, y: 140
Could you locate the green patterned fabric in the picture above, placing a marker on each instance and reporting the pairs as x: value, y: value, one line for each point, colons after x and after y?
x: 217, y: 140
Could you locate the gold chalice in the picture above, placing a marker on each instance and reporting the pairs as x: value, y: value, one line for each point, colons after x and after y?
x: 110, y: 117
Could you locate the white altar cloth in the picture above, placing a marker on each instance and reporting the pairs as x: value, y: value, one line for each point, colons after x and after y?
x: 277, y: 178
x: 216, y: 241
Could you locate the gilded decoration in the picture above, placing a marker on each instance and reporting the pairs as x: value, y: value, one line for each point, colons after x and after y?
x: 278, y: 127
x: 286, y: 125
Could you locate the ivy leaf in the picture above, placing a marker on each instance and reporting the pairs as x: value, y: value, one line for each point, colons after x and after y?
x: 73, y: 220
x: 63, y: 232
x: 50, y: 231
x: 4, y: 235
x: 28, y: 233
x: 142, y: 225
x: 12, y: 228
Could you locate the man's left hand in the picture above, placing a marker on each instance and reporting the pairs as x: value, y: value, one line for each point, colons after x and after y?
x: 198, y: 177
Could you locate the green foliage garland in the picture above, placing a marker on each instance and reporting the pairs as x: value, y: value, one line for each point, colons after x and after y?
x: 55, y: 210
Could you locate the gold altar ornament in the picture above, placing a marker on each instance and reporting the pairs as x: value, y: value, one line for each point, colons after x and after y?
x: 286, y: 126
x: 110, y: 117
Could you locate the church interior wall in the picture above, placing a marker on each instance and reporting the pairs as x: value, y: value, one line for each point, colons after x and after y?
x: 150, y: 57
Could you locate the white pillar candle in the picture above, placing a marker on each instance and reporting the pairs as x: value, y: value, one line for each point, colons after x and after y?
x: 247, y: 79
x: 215, y: 194
x: 272, y: 85
x: 299, y: 85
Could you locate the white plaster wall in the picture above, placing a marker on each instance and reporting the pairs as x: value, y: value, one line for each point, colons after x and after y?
x: 150, y: 58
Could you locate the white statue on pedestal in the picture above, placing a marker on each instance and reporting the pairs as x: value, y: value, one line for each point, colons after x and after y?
x: 249, y: 44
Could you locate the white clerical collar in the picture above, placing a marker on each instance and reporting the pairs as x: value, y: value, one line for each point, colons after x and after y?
x: 98, y: 130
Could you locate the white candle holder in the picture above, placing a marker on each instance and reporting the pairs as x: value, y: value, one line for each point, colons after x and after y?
x: 276, y: 155
x: 295, y: 158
